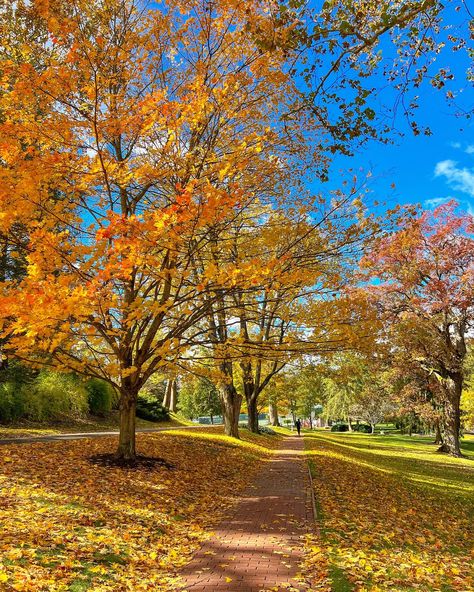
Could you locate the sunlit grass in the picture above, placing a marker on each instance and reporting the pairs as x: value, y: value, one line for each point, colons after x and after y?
x: 394, y: 514
x: 248, y: 440
x: 411, y: 458
x: 283, y: 430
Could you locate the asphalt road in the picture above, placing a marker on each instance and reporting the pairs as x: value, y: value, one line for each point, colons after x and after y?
x: 85, y: 435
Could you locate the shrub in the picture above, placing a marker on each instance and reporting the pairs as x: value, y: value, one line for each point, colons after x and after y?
x: 43, y: 396
x: 54, y: 395
x: 11, y: 405
x: 151, y: 410
x: 266, y: 430
x: 340, y: 427
x: 362, y: 427
x: 12, y: 380
x: 100, y: 396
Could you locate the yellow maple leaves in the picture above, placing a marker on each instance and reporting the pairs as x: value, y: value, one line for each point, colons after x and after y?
x: 67, y: 522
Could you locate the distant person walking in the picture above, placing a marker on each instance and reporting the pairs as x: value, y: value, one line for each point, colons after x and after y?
x: 298, y: 426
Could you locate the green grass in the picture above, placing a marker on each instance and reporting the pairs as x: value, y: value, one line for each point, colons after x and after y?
x: 339, y: 581
x: 414, y: 459
x: 394, y: 514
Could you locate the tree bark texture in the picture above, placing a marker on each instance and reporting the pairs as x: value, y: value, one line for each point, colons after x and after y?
x: 439, y: 435
x: 173, y: 402
x: 231, y: 404
x: 273, y: 414
x: 452, y: 415
x: 127, y: 408
x: 252, y: 414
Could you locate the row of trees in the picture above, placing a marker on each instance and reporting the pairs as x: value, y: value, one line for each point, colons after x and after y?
x: 374, y: 391
x: 418, y: 286
x: 155, y: 215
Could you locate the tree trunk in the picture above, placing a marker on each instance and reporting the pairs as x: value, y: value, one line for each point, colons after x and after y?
x: 231, y: 404
x: 212, y: 419
x: 167, y: 395
x: 273, y: 414
x: 252, y: 410
x: 452, y: 415
x: 127, y: 407
x: 372, y: 426
x: 349, y: 423
x: 439, y: 435
x: 251, y: 396
x: 173, y: 402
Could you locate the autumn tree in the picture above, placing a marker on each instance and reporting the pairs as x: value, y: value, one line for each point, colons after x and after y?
x: 13, y: 244
x: 307, y: 251
x: 426, y: 291
x: 416, y: 393
x: 467, y: 398
x: 280, y: 396
x: 373, y: 403
x: 311, y: 391
x: 333, y: 36
x: 131, y: 126
x: 288, y: 317
x: 300, y: 389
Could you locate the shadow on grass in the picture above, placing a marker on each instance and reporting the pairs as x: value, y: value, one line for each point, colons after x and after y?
x: 424, y: 468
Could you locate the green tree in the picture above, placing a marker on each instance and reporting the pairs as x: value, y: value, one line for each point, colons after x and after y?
x: 199, y: 397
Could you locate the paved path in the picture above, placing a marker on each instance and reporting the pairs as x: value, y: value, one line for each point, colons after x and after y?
x: 260, y: 546
x: 82, y: 435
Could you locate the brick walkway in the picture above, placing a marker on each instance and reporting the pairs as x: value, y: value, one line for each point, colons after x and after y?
x: 259, y: 547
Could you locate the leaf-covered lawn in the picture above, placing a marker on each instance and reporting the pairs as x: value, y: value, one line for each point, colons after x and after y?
x: 69, y: 524
x: 394, y: 514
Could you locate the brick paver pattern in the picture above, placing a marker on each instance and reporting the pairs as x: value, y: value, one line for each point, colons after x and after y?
x: 259, y: 547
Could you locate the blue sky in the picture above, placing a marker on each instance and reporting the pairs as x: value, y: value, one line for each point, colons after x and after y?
x: 425, y: 169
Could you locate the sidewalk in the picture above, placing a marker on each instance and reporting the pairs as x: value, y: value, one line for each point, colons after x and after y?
x: 85, y: 435
x: 260, y: 546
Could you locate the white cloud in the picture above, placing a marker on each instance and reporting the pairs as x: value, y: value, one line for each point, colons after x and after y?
x: 435, y: 202
x: 470, y: 149
x: 459, y: 178
x: 456, y: 145
x: 465, y: 205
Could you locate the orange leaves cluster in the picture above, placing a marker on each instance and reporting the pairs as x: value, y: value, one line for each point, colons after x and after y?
x: 384, y: 532
x: 128, y: 167
x: 68, y: 524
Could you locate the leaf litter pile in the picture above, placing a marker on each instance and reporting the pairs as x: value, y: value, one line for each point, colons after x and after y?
x: 72, y: 521
x: 389, y: 523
